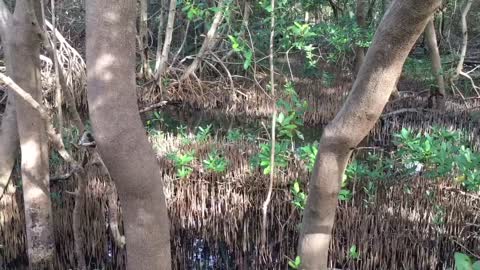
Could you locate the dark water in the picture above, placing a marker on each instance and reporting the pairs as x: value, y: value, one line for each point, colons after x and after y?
x: 172, y: 119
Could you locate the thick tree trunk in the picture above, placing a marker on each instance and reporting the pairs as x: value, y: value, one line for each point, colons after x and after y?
x: 361, y: 21
x: 119, y: 133
x: 208, y: 43
x: 463, y: 50
x: 161, y: 63
x: 25, y: 64
x: 431, y: 38
x: 9, y: 141
x: 77, y: 169
x: 372, y: 88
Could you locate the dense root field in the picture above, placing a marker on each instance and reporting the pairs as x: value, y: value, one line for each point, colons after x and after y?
x: 216, y: 217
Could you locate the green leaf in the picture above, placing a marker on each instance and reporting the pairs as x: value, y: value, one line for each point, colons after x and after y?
x: 476, y: 265
x: 215, y: 9
x: 280, y: 117
x: 300, y: 135
x: 296, y: 187
x: 462, y: 261
x: 267, y: 170
x: 268, y: 8
x: 248, y: 60
x: 404, y: 133
x: 345, y: 195
x: 265, y: 163
x: 353, y: 252
x: 290, y: 127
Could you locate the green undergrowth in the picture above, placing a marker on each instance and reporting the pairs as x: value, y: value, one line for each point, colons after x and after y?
x: 439, y: 156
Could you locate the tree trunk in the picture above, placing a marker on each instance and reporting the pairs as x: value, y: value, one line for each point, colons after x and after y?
x: 208, y: 43
x: 360, y: 51
x: 371, y: 91
x: 119, y: 133
x: 145, y: 71
x: 162, y: 59
x: 9, y: 141
x: 160, y: 31
x: 25, y: 64
x: 431, y: 38
x: 463, y: 52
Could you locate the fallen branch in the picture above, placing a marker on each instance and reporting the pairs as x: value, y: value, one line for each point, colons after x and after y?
x: 61, y: 177
x: 153, y: 106
x: 407, y: 110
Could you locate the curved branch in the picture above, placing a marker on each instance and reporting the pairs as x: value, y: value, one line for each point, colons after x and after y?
x: 463, y: 52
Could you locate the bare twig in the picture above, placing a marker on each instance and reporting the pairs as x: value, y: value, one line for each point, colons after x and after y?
x: 181, y: 46
x: 274, y: 120
x: 475, y: 87
x: 58, y: 89
x: 288, y: 62
x: 5, y: 188
x: 232, y: 86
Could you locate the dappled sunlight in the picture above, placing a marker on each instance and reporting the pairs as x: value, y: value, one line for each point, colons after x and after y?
x: 103, y: 66
x: 111, y: 17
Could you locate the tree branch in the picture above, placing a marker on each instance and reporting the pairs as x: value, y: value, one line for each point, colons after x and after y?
x: 52, y: 134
